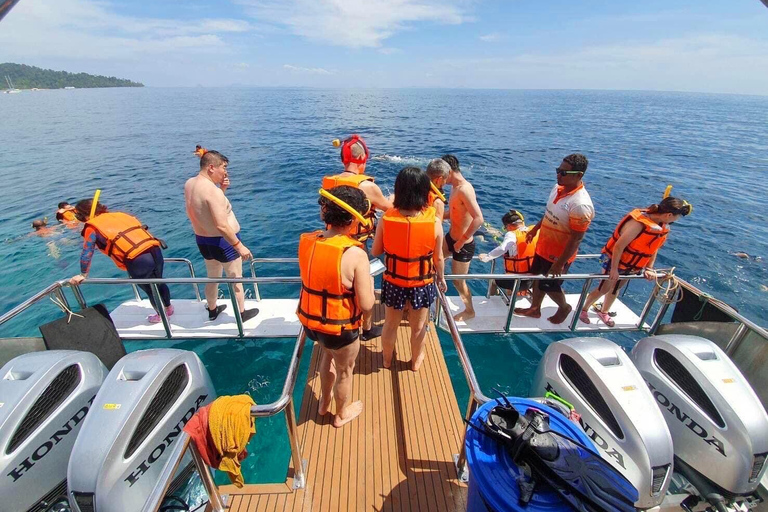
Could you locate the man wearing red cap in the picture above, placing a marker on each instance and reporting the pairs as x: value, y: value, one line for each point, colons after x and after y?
x: 354, y: 156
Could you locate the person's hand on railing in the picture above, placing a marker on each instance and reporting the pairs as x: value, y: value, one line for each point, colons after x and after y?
x: 650, y: 274
x: 556, y: 270
x: 442, y: 285
x: 76, y: 280
x: 613, y: 277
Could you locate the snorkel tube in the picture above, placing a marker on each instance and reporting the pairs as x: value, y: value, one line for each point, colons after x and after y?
x: 346, y: 149
x: 437, y: 191
x: 685, y: 203
x: 366, y: 223
x: 94, y: 203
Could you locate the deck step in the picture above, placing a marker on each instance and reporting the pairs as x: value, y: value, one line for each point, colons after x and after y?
x: 276, y: 319
x: 491, y: 317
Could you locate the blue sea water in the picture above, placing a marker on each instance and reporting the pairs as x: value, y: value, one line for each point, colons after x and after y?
x: 136, y: 146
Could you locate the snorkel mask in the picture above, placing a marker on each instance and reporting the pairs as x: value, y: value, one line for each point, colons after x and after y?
x: 366, y: 223
x: 346, y: 150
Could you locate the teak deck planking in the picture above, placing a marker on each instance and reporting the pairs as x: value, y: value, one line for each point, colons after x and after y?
x: 396, y: 456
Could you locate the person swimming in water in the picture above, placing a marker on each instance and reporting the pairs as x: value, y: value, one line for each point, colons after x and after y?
x: 200, y: 151
x: 41, y: 228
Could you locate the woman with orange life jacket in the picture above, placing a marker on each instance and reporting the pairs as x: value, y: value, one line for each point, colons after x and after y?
x: 336, y: 290
x: 354, y: 156
x: 437, y: 171
x: 129, y: 245
x: 632, y: 249
x: 517, y: 251
x: 411, y: 239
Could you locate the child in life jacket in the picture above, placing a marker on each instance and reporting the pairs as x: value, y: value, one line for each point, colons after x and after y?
x: 517, y: 252
x: 632, y: 249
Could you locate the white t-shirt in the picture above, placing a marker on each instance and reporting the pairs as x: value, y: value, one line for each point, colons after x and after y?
x: 508, y: 245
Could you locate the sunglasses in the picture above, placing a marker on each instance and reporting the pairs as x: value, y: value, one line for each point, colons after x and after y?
x: 563, y: 172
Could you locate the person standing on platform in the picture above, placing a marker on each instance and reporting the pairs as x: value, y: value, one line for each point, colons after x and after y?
x: 566, y: 219
x: 128, y: 244
x: 336, y: 291
x: 517, y: 251
x: 410, y: 237
x: 354, y: 156
x: 217, y: 231
x: 466, y: 218
x: 438, y: 171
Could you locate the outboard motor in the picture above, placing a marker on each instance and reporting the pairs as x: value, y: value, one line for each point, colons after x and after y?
x: 617, y: 411
x: 136, y: 417
x: 44, y: 399
x: 718, y: 425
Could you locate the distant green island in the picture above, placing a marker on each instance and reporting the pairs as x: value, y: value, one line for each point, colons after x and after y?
x: 31, y: 77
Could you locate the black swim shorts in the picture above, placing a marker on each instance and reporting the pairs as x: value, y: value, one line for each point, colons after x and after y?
x: 541, y: 266
x: 466, y: 252
x: 216, y: 248
x: 331, y: 341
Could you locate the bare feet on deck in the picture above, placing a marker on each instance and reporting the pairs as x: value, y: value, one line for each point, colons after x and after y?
x: 561, y: 314
x: 416, y: 363
x: 529, y: 312
x: 464, y: 316
x: 325, y: 405
x: 349, y: 413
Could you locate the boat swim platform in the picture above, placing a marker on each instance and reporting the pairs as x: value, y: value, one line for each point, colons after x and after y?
x: 276, y: 319
x: 492, y: 313
x: 398, y: 455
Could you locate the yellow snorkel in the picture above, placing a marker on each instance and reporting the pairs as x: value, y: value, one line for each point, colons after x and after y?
x: 667, y: 192
x: 95, y: 202
x: 341, y: 204
x: 437, y: 191
x: 336, y: 143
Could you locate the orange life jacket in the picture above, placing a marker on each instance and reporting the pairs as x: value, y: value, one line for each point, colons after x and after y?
x: 354, y: 180
x: 639, y: 252
x: 409, y: 243
x: 325, y: 305
x: 521, y: 263
x: 125, y: 236
x: 65, y: 215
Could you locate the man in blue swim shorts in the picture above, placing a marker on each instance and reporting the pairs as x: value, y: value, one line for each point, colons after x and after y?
x: 217, y: 231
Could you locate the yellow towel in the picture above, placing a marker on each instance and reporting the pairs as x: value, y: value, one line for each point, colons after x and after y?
x: 231, y: 427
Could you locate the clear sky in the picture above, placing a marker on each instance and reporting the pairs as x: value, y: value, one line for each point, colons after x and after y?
x: 680, y: 45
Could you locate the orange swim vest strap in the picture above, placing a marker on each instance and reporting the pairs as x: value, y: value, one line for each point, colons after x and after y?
x: 645, y: 245
x: 325, y: 305
x: 126, y: 238
x: 409, y: 245
x: 523, y: 260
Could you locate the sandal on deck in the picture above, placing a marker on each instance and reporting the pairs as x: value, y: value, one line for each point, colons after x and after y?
x: 606, y: 318
x: 584, y: 317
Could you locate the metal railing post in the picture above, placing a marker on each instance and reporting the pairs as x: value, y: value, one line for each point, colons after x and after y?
x: 256, y: 293
x: 136, y: 292
x: 736, y: 339
x: 659, y: 318
x: 299, y: 478
x: 648, y: 305
x: 161, y: 311
x: 214, y: 498
x: 580, y: 304
x: 236, y: 307
x: 512, y: 301
x: 461, y: 460
x: 165, y: 478
x: 78, y: 293
x: 63, y: 298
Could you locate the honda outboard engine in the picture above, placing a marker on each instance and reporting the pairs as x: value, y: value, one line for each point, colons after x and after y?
x: 136, y: 417
x: 617, y: 411
x: 44, y: 399
x: 718, y: 425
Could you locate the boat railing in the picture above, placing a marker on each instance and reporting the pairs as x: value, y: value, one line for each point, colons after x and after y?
x: 284, y: 404
x: 255, y: 261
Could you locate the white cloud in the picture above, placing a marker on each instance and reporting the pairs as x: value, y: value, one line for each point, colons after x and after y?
x: 493, y: 37
x: 353, y: 23
x: 308, y: 71
x: 86, y: 29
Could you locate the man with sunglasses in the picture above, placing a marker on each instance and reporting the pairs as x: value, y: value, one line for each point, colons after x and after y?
x: 566, y: 219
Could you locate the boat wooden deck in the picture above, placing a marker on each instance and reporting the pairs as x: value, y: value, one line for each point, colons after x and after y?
x: 398, y: 455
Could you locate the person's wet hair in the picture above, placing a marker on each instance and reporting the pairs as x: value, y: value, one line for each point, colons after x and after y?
x: 212, y: 157
x: 438, y: 168
x: 63, y: 204
x: 577, y: 161
x: 412, y: 188
x: 671, y: 205
x: 83, y: 209
x: 39, y: 224
x: 452, y: 161
x: 337, y: 216
x: 511, y: 217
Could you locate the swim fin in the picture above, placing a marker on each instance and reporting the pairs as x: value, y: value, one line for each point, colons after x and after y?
x: 578, y: 474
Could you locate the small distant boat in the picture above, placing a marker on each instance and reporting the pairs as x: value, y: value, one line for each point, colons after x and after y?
x: 11, y: 89
x: 69, y: 87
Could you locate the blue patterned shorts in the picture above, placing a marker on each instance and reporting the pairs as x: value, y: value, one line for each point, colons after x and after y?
x: 419, y: 296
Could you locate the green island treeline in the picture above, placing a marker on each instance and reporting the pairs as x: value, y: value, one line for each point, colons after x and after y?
x: 31, y: 77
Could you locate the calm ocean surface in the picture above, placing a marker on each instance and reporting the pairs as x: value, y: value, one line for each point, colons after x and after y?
x: 136, y: 146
